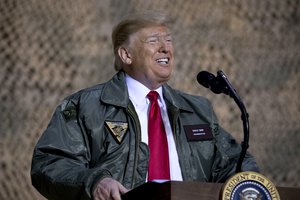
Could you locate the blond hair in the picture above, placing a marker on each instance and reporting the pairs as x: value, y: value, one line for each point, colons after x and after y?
x: 132, y: 24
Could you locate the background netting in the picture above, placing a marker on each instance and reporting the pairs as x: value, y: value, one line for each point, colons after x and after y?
x: 51, y: 48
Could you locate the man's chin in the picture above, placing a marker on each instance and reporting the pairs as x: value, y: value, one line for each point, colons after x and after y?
x: 165, y: 79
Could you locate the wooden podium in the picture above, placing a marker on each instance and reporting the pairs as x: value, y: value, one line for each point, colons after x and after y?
x: 175, y: 190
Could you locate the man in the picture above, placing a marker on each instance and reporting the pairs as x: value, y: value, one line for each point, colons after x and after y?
x: 99, y: 141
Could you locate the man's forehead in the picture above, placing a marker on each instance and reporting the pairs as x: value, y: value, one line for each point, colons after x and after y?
x: 154, y: 30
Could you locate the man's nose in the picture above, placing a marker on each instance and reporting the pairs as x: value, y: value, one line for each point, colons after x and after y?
x: 164, y: 46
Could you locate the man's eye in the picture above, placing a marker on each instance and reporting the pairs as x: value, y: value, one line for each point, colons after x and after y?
x: 168, y: 39
x: 153, y: 40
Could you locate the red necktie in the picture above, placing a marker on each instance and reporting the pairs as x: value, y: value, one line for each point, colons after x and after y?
x: 159, y: 167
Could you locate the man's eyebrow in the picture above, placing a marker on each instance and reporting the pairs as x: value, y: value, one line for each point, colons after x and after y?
x: 157, y: 34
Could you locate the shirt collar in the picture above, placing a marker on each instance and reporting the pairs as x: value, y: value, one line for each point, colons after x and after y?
x: 138, y: 92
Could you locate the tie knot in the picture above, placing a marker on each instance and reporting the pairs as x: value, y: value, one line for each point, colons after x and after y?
x: 152, y: 96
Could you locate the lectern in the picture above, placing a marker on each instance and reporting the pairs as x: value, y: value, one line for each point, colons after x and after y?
x: 176, y: 190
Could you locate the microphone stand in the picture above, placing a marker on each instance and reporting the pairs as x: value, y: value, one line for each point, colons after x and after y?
x: 229, y: 90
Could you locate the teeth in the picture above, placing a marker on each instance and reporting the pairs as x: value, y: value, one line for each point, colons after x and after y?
x: 163, y: 60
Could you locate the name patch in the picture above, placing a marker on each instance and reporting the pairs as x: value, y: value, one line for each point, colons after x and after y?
x: 199, y: 132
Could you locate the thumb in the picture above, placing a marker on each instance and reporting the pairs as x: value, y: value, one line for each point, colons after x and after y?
x: 122, y: 189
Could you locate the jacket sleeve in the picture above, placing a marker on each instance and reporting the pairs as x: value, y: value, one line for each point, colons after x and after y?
x: 227, y: 155
x: 60, y: 164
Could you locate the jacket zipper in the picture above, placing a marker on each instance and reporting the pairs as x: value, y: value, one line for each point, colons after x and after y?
x: 174, y: 114
x: 137, y: 140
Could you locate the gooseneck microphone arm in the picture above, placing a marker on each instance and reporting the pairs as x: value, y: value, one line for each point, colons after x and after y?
x: 220, y: 84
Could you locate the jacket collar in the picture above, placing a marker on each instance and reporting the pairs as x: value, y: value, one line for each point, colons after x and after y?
x: 115, y: 92
x: 175, y: 98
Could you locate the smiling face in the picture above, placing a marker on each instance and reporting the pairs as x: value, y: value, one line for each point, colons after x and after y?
x: 148, y: 57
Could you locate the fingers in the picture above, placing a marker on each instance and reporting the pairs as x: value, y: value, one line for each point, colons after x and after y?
x: 115, y: 195
x: 108, y: 189
x: 103, y: 194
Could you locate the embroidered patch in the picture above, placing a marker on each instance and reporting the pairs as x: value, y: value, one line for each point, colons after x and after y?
x: 118, y: 130
x: 69, y: 114
x: 198, y: 132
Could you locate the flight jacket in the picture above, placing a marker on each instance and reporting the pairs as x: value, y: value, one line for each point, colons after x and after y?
x: 95, y: 133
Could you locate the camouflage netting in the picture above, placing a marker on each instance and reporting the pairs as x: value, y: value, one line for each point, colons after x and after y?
x: 51, y: 48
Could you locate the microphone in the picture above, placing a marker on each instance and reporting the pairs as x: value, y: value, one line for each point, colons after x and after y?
x: 215, y: 84
x: 220, y: 84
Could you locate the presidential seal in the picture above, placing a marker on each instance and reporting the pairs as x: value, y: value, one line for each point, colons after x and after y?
x: 249, y: 186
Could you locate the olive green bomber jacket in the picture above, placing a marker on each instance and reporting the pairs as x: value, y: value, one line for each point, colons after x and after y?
x: 80, y: 147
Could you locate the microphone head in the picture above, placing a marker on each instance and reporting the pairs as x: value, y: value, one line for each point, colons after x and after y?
x: 205, y: 78
x: 208, y: 80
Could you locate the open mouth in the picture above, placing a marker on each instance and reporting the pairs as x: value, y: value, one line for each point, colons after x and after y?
x: 163, y: 61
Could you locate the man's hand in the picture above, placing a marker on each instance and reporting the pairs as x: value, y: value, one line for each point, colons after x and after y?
x: 108, y: 189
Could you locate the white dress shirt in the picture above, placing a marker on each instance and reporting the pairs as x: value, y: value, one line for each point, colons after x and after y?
x: 138, y: 96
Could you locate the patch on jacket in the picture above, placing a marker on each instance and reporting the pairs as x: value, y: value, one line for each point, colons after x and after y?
x: 117, y: 129
x: 198, y: 132
x: 69, y: 114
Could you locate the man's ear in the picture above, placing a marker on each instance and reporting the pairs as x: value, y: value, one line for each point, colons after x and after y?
x: 124, y: 55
